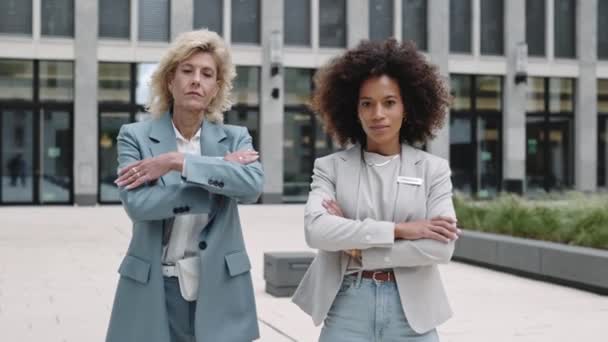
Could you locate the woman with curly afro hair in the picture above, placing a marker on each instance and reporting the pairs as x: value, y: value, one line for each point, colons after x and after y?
x: 380, y: 212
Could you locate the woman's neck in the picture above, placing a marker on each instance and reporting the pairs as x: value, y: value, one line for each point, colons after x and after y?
x: 383, y: 149
x: 186, y: 122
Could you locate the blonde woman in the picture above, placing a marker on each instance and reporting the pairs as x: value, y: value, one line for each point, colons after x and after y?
x: 185, y: 276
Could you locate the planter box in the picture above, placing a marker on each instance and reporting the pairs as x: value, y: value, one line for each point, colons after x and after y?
x: 580, y: 267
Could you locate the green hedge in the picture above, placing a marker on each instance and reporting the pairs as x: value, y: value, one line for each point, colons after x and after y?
x: 574, y: 219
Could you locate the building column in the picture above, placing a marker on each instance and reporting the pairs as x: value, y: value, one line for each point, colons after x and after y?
x: 357, y: 22
x: 85, y: 103
x: 438, y: 17
x: 271, y: 109
x: 182, y: 18
x: 585, y: 115
x: 514, y: 102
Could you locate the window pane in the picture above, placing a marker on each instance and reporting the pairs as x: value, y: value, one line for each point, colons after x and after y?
x: 16, y: 79
x: 602, y: 96
x: 380, y: 19
x: 56, y: 172
x: 209, y: 14
x: 246, y: 85
x: 414, y: 25
x: 602, y: 151
x: 492, y: 27
x: 142, y: 87
x: 114, y: 82
x: 298, y: 86
x: 561, y: 95
x: 489, y: 93
x: 602, y: 27
x: 462, y: 153
x: 109, y: 124
x: 460, y: 26
x: 332, y: 23
x: 246, y: 21
x: 536, y: 95
x: 114, y: 19
x: 535, y: 27
x: 248, y: 117
x: 296, y: 15
x: 57, y: 18
x: 16, y: 16
x: 154, y: 20
x: 17, y: 156
x: 298, y: 155
x: 56, y: 81
x: 460, y: 87
x: 488, y: 156
x: 565, y: 28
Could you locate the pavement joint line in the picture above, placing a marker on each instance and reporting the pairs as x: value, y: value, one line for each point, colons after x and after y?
x: 279, y: 331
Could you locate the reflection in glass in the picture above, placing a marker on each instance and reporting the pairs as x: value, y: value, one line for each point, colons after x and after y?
x: 332, y: 23
x: 246, y: 85
x: 380, y: 19
x: 298, y: 155
x: 489, y: 93
x: 142, y: 87
x: 16, y: 79
x: 56, y: 148
x: 602, y: 96
x: 561, y: 95
x: 114, y: 82
x: 536, y: 95
x: 602, y: 25
x: 56, y: 81
x: 298, y: 86
x: 245, y: 21
x: 17, y: 156
x: 110, y: 124
x: 461, y: 89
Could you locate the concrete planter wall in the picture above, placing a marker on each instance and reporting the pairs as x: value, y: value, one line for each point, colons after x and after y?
x: 580, y: 267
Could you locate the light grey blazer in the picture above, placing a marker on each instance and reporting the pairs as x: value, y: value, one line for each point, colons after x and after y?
x: 414, y: 262
x: 225, y: 308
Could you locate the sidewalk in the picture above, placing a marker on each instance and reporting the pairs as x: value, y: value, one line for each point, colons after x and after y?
x: 58, y: 276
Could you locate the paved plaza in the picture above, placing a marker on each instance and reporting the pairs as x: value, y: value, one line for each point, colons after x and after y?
x: 58, y: 276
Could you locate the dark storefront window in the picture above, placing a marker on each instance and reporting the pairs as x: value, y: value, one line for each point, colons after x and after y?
x: 296, y: 18
x: 476, y: 134
x: 565, y: 29
x: 549, y: 134
x: 36, y: 125
x: 602, y: 149
x: 460, y: 26
x: 57, y: 18
x: 16, y: 17
x: 492, y: 27
x: 535, y: 27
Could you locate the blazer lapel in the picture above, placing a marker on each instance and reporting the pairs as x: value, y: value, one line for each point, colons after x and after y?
x: 347, y: 181
x: 407, y: 194
x: 212, y: 136
x: 163, y: 140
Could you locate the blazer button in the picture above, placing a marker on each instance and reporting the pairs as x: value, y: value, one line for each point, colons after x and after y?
x: 202, y: 245
x: 186, y: 208
x: 221, y: 184
x: 175, y: 211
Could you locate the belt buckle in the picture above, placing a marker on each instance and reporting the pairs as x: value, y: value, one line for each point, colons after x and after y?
x: 379, y: 280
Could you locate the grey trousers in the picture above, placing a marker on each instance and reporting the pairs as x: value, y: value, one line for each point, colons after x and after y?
x: 180, y: 313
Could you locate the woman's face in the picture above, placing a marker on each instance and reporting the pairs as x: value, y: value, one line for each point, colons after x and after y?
x: 194, y: 83
x: 381, y: 112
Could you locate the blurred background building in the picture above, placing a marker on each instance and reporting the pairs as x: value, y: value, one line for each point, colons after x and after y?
x: 73, y: 71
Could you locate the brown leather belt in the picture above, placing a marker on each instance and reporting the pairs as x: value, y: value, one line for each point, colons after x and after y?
x: 379, y: 275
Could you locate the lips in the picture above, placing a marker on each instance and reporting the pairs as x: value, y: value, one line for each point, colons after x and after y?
x: 379, y: 127
x: 194, y: 93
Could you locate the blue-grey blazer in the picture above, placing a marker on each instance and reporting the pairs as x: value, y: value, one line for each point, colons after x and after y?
x: 225, y: 309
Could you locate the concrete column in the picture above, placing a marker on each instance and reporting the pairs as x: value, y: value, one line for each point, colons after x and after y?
x: 585, y: 122
x: 438, y: 23
x: 514, y: 102
x: 182, y: 18
x: 85, y: 102
x: 357, y: 22
x: 271, y: 109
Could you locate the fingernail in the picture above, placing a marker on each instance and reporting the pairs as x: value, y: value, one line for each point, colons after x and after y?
x: 459, y: 230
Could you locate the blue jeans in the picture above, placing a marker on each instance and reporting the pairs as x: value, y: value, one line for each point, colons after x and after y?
x: 180, y: 313
x: 369, y: 311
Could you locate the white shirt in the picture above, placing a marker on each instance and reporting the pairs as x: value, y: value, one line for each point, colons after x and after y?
x: 183, y: 241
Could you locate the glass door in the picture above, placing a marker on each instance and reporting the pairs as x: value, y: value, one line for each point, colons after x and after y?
x: 55, y: 158
x: 17, y: 146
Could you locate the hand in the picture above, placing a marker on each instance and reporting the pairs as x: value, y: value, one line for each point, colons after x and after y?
x: 242, y: 157
x: 439, y: 228
x: 333, y: 208
x: 149, y: 170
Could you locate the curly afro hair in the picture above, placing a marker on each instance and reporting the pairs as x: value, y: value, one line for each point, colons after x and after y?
x: 424, y: 93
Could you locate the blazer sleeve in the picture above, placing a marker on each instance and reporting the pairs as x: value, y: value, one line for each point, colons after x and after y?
x: 216, y: 175
x: 333, y: 233
x: 423, y: 252
x: 155, y: 202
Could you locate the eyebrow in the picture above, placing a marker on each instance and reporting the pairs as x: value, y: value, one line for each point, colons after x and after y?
x: 384, y: 98
x: 205, y: 68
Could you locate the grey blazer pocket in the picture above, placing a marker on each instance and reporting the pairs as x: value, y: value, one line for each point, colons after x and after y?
x: 135, y: 268
x: 237, y: 262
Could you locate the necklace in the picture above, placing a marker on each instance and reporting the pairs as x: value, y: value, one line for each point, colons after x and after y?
x: 383, y: 163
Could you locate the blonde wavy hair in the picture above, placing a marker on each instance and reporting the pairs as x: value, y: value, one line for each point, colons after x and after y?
x: 182, y: 48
